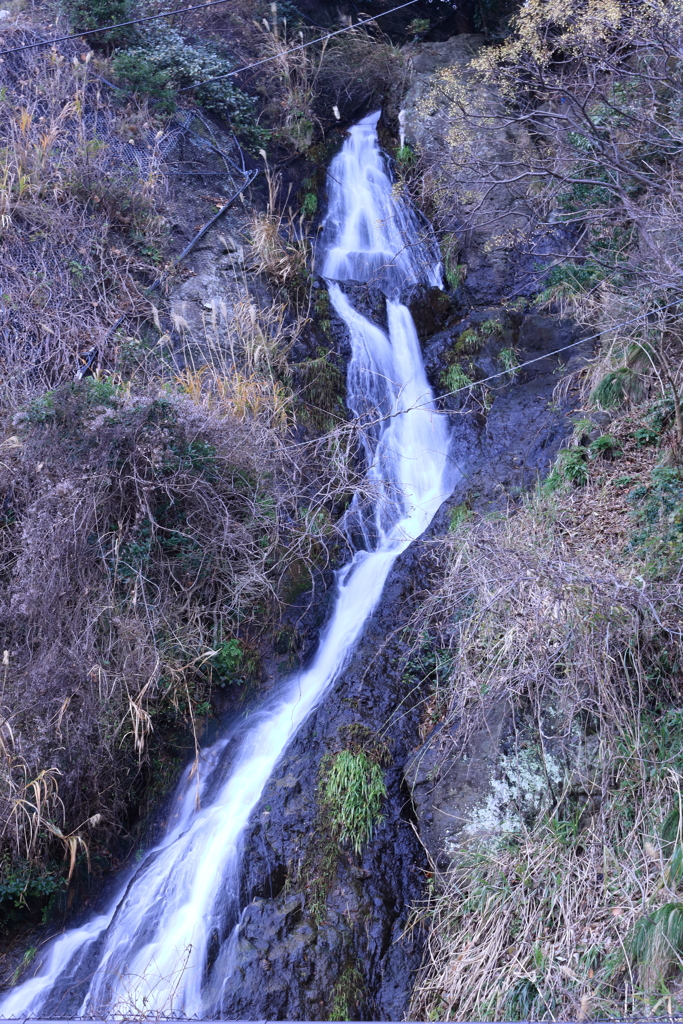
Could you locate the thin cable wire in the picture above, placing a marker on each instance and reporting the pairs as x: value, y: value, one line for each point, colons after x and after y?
x: 301, y: 46
x: 186, y: 10
x: 108, y: 28
x: 468, y: 387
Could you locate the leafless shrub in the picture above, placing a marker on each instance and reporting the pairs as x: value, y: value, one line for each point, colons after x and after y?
x: 361, y: 66
x: 142, y: 531
x: 546, y: 618
x: 566, y: 140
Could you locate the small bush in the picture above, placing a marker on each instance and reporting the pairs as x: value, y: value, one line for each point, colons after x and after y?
x: 469, y: 342
x: 165, y: 62
x: 616, y: 388
x: 27, y: 889
x: 490, y: 328
x: 85, y: 16
x: 418, y: 27
x: 509, y: 361
x: 604, y: 446
x: 646, y: 435
x: 360, y: 67
x: 405, y: 157
x: 570, y: 467
x: 309, y: 207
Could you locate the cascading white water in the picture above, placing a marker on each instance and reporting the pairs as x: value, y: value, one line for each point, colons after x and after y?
x: 148, y: 953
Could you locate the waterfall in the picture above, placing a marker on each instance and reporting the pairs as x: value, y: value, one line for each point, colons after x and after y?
x: 164, y: 944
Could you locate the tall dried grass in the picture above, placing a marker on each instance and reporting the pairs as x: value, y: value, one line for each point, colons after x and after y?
x: 151, y: 520
x: 546, y: 613
x: 279, y: 241
x: 291, y: 81
x: 75, y: 221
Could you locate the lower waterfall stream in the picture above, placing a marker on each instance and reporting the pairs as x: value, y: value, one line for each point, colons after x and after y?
x: 164, y: 944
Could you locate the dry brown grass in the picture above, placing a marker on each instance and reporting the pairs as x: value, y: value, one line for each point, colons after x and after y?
x: 142, y: 530
x: 154, y: 522
x: 359, y: 68
x: 280, y: 246
x: 74, y: 219
x: 541, y: 927
x: 289, y: 81
x: 554, y: 908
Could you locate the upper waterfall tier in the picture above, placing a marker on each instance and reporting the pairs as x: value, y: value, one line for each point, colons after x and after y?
x: 370, y: 234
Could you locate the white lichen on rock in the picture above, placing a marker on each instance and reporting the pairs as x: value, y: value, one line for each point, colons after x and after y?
x: 521, y: 791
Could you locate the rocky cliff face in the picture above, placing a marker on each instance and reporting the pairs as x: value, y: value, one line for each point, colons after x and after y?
x: 317, y: 937
x: 325, y: 933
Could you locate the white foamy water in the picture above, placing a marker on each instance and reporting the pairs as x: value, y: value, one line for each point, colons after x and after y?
x: 163, y: 945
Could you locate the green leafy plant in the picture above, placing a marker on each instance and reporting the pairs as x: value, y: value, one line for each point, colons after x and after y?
x: 490, y: 328
x: 571, y: 466
x: 522, y: 999
x: 76, y: 269
x: 418, y: 27
x: 27, y: 888
x: 309, y: 207
x: 353, y: 792
x: 347, y: 991
x: 405, y: 156
x: 232, y: 664
x: 455, y: 378
x: 657, y: 944
x: 605, y: 446
x: 658, y: 514
x: 454, y: 272
x: 459, y: 515
x: 646, y: 435
x: 85, y: 15
x: 616, y: 388
x: 469, y: 342
x: 509, y: 360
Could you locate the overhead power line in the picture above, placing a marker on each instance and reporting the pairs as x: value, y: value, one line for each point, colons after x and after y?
x: 301, y: 46
x: 108, y: 28
x: 186, y: 10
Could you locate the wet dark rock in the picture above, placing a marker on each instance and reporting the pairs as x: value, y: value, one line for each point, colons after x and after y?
x: 433, y: 309
x: 299, y: 939
x: 291, y: 957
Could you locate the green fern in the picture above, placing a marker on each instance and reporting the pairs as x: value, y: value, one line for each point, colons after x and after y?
x: 354, y: 791
x: 605, y: 446
x: 455, y: 378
